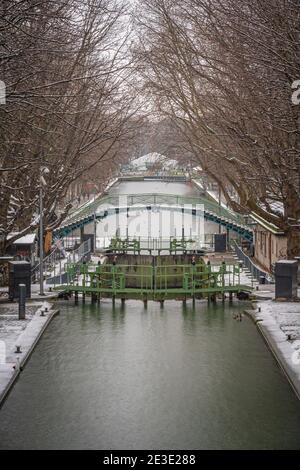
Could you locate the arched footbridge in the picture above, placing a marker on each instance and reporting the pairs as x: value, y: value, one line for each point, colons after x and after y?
x: 110, y: 204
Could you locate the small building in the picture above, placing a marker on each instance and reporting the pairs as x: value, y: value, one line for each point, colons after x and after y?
x: 24, y: 248
x: 270, y: 243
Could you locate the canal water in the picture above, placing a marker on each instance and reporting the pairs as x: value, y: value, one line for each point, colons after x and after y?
x: 163, y: 378
x: 177, y: 188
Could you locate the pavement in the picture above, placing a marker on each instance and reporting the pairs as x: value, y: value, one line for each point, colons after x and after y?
x: 19, y: 334
x: 35, y: 295
x: 279, y: 324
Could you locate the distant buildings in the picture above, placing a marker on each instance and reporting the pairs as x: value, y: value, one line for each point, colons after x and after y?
x: 153, y: 163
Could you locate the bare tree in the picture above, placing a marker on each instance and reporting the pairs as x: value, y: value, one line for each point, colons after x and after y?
x: 222, y: 72
x: 67, y: 75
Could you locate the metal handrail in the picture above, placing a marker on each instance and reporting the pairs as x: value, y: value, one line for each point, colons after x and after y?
x: 156, y: 198
x: 261, y: 276
x: 154, y: 279
x: 48, y: 261
x: 82, y: 253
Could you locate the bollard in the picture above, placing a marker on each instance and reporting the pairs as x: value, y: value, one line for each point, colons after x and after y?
x: 22, y: 301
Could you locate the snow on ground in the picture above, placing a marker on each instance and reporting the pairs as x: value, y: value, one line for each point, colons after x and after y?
x: 279, y: 323
x: 23, y: 334
x: 10, y: 326
x: 287, y: 317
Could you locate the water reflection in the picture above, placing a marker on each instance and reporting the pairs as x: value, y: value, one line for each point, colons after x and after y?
x: 116, y: 377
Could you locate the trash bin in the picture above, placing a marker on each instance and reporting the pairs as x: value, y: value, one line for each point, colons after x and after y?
x: 286, y: 275
x: 19, y: 273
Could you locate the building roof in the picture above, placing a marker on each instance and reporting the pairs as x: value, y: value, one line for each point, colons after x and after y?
x: 267, y: 225
x: 28, y: 239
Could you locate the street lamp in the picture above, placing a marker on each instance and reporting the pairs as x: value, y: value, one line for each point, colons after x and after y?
x: 43, y: 171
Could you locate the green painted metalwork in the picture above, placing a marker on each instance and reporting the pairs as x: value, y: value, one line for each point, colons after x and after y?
x: 118, y: 245
x: 180, y: 244
x: 170, y: 245
x: 112, y: 201
x: 105, y: 205
x: 154, y: 282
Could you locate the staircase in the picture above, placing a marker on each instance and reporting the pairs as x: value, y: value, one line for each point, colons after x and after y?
x: 59, y: 272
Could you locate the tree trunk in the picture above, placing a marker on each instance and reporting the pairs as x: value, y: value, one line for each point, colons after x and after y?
x: 293, y: 242
x: 2, y: 247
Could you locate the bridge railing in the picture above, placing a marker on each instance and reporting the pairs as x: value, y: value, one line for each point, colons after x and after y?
x: 147, y: 199
x: 171, y: 244
x: 158, y: 281
x: 48, y: 264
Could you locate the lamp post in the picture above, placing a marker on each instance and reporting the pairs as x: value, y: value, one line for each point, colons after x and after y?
x: 95, y: 231
x: 220, y: 202
x: 43, y: 170
x: 41, y: 240
x: 95, y: 225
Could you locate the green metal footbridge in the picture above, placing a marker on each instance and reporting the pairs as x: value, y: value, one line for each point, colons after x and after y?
x: 107, y: 205
x: 153, y: 282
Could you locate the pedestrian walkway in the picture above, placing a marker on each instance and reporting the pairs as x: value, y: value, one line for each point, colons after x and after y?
x: 18, y: 339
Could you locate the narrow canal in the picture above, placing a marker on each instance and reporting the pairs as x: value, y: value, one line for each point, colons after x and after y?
x: 129, y: 378
x: 155, y: 187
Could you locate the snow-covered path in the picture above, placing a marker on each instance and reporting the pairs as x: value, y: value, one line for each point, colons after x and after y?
x: 23, y: 333
x: 279, y: 323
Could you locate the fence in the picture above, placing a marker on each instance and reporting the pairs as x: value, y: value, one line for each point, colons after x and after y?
x: 157, y: 245
x: 147, y: 199
x: 154, y: 282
